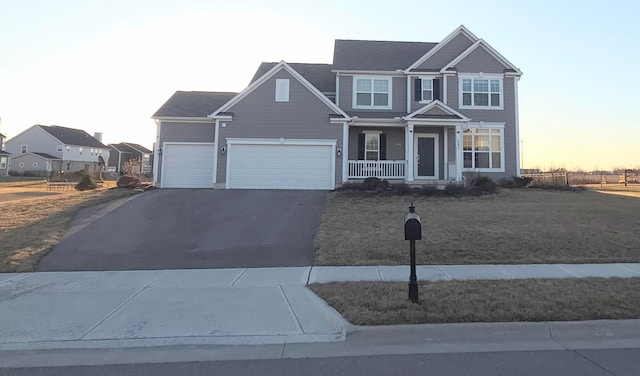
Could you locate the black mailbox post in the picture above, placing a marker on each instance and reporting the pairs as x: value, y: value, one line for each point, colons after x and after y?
x: 413, y: 232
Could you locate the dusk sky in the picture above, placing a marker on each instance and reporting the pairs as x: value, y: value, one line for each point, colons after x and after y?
x: 107, y: 66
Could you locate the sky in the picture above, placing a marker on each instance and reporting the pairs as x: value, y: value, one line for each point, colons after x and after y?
x: 107, y: 66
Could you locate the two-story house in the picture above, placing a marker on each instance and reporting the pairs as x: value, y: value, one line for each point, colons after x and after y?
x: 414, y: 112
x: 43, y: 150
x: 4, y: 157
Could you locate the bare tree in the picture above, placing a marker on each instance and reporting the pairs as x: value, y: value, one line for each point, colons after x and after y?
x: 132, y: 167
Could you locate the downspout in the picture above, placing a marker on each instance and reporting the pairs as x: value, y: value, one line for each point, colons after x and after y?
x: 156, y: 157
x: 216, y: 145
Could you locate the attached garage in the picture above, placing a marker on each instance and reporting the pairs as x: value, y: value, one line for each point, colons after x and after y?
x: 188, y: 165
x: 280, y: 164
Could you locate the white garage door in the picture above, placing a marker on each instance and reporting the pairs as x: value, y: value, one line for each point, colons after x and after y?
x: 188, y: 165
x: 280, y: 166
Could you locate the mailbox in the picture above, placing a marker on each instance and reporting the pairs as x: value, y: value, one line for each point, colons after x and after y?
x: 412, y: 225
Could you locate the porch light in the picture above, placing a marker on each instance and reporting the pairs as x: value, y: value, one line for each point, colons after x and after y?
x: 339, y: 151
x: 160, y: 150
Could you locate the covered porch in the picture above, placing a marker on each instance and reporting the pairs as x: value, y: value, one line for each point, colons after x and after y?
x: 420, y: 148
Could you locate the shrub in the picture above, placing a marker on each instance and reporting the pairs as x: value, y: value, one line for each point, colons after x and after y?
x: 127, y: 181
x: 522, y: 181
x: 14, y: 173
x: 506, y: 183
x: 484, y: 185
x: 453, y: 189
x: 374, y: 184
x: 86, y: 184
x: 429, y: 190
x: 401, y: 189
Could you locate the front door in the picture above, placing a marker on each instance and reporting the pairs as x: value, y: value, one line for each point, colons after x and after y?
x: 426, y: 156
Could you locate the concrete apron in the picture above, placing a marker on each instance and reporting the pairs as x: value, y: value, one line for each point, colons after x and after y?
x: 67, y: 310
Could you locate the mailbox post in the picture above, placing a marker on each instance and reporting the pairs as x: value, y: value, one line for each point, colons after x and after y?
x: 412, y: 232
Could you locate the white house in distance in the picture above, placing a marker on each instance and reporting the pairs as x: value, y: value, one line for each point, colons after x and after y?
x: 41, y: 150
x: 4, y: 158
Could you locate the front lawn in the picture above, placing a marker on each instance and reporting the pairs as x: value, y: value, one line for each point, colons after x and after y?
x: 513, y: 226
x: 32, y: 223
x: 386, y: 303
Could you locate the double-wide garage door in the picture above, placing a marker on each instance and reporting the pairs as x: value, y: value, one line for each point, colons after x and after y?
x: 188, y: 165
x: 280, y: 166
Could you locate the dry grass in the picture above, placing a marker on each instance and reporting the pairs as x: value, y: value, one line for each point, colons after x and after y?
x: 386, y: 303
x: 514, y: 226
x: 31, y: 226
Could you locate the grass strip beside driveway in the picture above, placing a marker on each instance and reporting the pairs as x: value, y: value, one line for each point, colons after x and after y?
x: 513, y: 227
x: 387, y: 303
x: 29, y: 228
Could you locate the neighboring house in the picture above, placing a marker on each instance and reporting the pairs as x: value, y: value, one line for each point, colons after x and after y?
x: 125, y: 151
x: 414, y: 112
x: 35, y: 164
x: 4, y: 158
x: 73, y: 149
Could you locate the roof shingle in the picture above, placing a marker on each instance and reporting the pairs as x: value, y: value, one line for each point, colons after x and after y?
x: 72, y: 136
x: 193, y: 103
x: 372, y: 55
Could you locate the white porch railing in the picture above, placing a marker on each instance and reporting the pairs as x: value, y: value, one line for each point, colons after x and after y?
x: 378, y: 169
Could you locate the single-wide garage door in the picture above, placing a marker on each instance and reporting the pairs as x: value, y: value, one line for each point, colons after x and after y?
x: 280, y: 166
x: 188, y: 165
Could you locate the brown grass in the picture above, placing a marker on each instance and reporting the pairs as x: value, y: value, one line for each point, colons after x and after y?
x: 386, y: 303
x: 514, y: 226
x: 30, y: 227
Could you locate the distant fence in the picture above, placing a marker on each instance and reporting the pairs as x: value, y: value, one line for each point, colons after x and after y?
x: 548, y: 178
x: 572, y: 178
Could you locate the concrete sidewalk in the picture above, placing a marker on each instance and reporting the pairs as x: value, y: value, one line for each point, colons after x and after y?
x: 126, y: 309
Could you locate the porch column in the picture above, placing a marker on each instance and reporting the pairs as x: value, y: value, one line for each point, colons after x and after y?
x: 459, y: 152
x: 345, y: 152
x: 409, y: 150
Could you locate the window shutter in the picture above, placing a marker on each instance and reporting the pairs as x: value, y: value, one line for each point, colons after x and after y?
x: 436, y: 89
x: 383, y: 147
x: 361, y: 146
x: 418, y: 93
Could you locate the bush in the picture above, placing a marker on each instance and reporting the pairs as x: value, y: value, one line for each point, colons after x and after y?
x: 127, y: 181
x: 86, y: 184
x: 401, y: 189
x: 453, y: 189
x: 506, y: 183
x: 374, y: 184
x: 14, y: 173
x: 522, y: 181
x: 483, y: 184
x: 429, y: 190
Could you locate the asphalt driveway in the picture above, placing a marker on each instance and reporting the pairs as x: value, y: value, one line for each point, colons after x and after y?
x: 182, y: 229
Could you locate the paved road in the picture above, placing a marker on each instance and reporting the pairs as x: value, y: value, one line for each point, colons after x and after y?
x: 179, y: 229
x: 607, y: 362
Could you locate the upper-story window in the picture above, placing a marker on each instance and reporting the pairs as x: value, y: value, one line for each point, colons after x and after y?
x: 282, y: 90
x: 427, y: 90
x: 372, y: 92
x: 80, y: 151
x: 481, y: 92
x: 23, y: 149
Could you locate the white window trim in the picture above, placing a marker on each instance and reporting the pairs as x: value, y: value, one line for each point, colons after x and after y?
x: 485, y: 125
x: 282, y: 90
x: 25, y: 148
x: 60, y: 148
x: 80, y: 151
x: 483, y: 76
x: 354, y: 99
x: 372, y: 133
x: 422, y: 80
x: 3, y: 163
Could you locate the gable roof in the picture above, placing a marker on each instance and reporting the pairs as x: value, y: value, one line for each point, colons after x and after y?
x: 3, y: 136
x: 71, y: 136
x: 481, y: 43
x: 460, y: 30
x: 2, y: 152
x: 421, y: 113
x: 371, y: 55
x: 319, y: 75
x: 193, y: 103
x: 128, y: 147
x: 45, y: 155
x: 277, y: 68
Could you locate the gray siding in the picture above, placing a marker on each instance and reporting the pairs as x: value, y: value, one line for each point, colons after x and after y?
x: 36, y: 140
x: 184, y: 132
x: 4, y: 171
x: 447, y: 53
x: 258, y: 115
x: 480, y: 61
x: 28, y: 160
x: 395, y: 141
x: 398, y: 96
x: 507, y: 116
